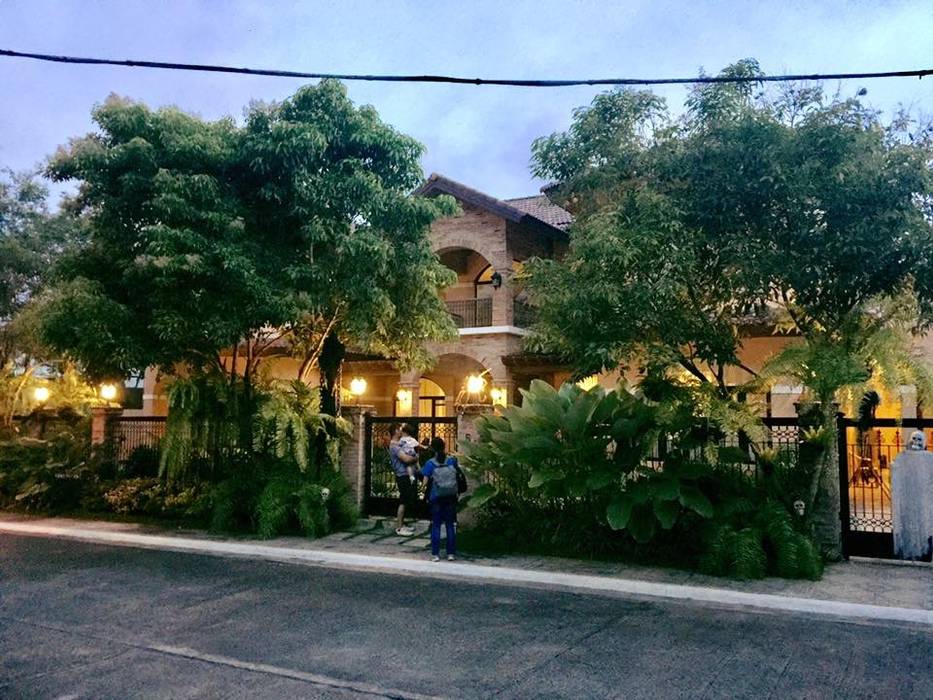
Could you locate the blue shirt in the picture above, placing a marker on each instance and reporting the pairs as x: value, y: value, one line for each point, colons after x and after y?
x: 429, y: 468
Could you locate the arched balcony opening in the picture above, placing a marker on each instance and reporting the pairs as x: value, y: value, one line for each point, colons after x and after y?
x: 470, y: 300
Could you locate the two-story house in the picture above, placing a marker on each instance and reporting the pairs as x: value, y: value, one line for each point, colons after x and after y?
x: 485, y: 244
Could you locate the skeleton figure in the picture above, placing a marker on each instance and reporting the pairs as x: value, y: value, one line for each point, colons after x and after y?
x: 912, y: 500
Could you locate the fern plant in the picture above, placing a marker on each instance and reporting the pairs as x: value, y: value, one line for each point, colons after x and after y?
x: 289, y: 422
x: 204, y: 424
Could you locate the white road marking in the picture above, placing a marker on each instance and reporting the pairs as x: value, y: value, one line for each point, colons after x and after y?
x: 314, y: 678
x: 499, y: 575
x: 194, y: 655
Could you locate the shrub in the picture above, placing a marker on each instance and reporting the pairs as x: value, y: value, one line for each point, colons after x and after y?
x: 232, y: 505
x: 54, y: 474
x: 313, y: 510
x: 136, y: 496
x: 574, y: 471
x: 587, y: 452
x: 143, y: 462
x: 275, y: 507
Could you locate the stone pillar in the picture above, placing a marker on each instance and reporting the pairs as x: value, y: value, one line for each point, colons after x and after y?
x: 410, y: 381
x: 466, y: 423
x: 101, y: 419
x: 502, y: 305
x: 353, y: 454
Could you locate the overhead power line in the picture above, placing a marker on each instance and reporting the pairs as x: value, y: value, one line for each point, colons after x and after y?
x: 205, y: 68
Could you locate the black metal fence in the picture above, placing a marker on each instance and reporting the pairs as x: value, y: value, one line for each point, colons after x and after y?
x: 380, y: 490
x: 471, y: 313
x: 125, y: 436
x: 780, y: 435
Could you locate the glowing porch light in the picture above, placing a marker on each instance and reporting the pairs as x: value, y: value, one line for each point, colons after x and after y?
x: 499, y: 396
x: 108, y: 392
x: 404, y: 398
x: 41, y: 394
x: 357, y: 386
x: 588, y: 383
x: 475, y: 384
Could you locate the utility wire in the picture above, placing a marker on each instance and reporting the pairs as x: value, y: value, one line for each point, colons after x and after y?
x: 464, y: 81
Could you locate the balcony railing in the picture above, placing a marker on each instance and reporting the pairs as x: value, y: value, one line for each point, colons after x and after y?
x: 471, y: 313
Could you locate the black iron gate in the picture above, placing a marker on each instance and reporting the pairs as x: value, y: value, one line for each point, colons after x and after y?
x: 866, y: 454
x: 380, y: 491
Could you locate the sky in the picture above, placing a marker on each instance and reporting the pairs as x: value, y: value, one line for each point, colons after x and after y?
x: 480, y: 136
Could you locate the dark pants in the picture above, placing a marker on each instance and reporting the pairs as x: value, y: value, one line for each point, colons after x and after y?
x: 443, y: 510
x: 407, y: 492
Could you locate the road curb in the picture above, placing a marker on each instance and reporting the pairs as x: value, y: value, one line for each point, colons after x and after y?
x: 481, y: 573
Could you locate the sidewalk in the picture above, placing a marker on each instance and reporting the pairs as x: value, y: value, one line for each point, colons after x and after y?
x: 855, y: 590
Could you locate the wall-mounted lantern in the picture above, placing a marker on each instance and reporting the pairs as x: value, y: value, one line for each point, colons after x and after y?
x: 404, y: 398
x: 41, y: 394
x: 496, y: 280
x: 588, y: 383
x: 357, y: 387
x: 499, y: 396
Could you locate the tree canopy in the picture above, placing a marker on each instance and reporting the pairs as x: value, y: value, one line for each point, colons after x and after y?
x: 789, y: 207
x: 293, y: 229
x: 31, y: 239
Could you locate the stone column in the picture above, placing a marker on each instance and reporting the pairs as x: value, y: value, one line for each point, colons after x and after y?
x: 411, y: 381
x: 466, y: 424
x: 353, y: 454
x: 101, y: 420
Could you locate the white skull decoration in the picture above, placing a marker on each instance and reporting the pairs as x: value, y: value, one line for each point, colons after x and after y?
x: 799, y: 507
x: 918, y: 441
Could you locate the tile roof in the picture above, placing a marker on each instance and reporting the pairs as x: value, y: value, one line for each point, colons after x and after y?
x: 537, y: 207
x: 542, y: 208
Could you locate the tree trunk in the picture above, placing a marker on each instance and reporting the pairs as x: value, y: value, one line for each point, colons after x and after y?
x: 330, y: 361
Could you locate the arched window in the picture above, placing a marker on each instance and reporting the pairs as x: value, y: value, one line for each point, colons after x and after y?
x: 431, y: 399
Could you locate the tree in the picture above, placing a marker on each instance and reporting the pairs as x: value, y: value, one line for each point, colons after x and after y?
x: 662, y: 290
x: 31, y: 238
x: 293, y: 230
x: 794, y: 208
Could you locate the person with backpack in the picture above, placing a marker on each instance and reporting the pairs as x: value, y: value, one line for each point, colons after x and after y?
x: 446, y: 482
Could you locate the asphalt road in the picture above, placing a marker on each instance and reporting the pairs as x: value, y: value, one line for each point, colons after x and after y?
x: 89, y: 621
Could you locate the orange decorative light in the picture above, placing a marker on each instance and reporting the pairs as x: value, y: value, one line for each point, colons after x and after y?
x: 357, y: 386
x: 499, y: 396
x: 41, y: 394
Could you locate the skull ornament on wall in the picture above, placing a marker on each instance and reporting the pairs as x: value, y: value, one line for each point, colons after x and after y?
x: 800, y: 507
x: 918, y: 441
